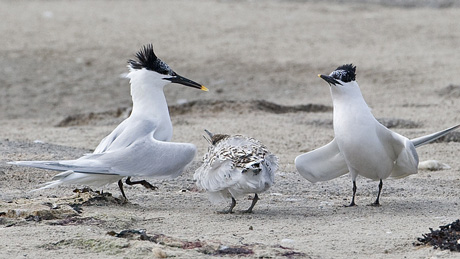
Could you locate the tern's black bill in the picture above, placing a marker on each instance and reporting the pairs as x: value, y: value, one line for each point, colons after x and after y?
x: 330, y: 80
x: 184, y: 81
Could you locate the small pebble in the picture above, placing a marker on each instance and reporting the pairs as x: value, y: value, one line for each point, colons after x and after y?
x: 287, y: 241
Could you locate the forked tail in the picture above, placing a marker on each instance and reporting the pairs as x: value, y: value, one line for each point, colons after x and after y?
x: 64, y: 165
x: 71, y: 174
x: 50, y: 165
x: 432, y: 137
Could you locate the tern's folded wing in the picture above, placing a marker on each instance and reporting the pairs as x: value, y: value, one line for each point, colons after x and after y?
x: 126, y: 134
x: 106, y: 142
x: 322, y: 164
x: 145, y: 157
x: 407, y: 159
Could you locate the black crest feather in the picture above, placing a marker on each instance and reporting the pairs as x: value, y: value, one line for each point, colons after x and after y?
x: 345, y: 73
x: 147, y: 59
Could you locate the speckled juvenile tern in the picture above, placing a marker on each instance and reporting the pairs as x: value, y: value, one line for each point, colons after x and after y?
x: 362, y: 146
x: 139, y: 146
x: 233, y: 166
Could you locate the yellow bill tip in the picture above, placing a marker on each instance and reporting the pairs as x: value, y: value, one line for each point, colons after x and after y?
x: 319, y: 75
x: 204, y: 88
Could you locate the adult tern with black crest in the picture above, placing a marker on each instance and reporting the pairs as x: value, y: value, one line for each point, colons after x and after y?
x: 362, y: 146
x: 140, y: 146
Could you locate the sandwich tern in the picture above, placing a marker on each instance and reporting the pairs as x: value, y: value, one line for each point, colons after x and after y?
x: 362, y: 146
x: 140, y: 145
x: 233, y: 166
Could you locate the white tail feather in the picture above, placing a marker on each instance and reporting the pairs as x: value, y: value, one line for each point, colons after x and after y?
x: 432, y: 137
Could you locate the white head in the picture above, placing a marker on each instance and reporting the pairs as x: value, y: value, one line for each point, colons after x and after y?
x: 344, y: 88
x: 150, y: 71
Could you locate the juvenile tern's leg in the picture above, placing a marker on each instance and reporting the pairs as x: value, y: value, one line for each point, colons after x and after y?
x: 230, y: 210
x: 254, y: 201
x: 143, y: 182
x: 354, y: 193
x: 120, y: 184
x: 377, y: 203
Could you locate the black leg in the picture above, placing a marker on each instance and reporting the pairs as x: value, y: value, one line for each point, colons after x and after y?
x: 354, y: 193
x: 377, y: 203
x: 254, y: 201
x: 142, y: 182
x: 120, y: 184
x: 230, y: 210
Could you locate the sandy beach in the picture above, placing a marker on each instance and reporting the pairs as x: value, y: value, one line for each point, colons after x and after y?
x: 63, y: 88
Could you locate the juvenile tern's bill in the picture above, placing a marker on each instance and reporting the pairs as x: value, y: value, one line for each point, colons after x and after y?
x: 140, y: 145
x: 362, y: 146
x: 233, y: 166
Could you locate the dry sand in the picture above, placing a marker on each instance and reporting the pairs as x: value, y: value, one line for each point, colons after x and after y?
x: 67, y: 58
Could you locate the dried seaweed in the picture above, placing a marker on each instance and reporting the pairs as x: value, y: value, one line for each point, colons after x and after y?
x: 77, y: 221
x: 446, y: 238
x: 238, y: 250
x: 97, y: 198
x: 208, y: 248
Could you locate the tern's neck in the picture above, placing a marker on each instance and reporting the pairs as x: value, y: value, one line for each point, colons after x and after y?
x: 149, y: 101
x: 349, y: 107
x: 147, y: 94
x: 348, y: 97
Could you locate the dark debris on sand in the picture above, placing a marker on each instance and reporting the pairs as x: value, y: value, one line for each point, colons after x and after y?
x: 446, y: 238
x: 208, y: 248
x: 62, y: 211
x: 96, y: 198
x: 141, y: 234
x: 72, y: 221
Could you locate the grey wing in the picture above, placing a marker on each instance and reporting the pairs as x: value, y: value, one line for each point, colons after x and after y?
x: 401, y: 150
x: 145, y: 157
x: 106, y: 142
x: 128, y: 151
x: 118, y: 135
x: 406, y: 162
x: 322, y: 164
